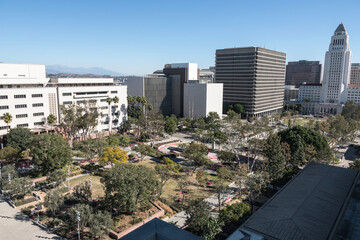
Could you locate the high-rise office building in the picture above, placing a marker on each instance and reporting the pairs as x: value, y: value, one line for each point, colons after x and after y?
x: 355, y: 73
x: 337, y: 68
x: 253, y: 77
x: 302, y: 71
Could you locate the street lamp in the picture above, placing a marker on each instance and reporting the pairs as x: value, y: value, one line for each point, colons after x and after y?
x: 78, y: 222
x: 0, y: 180
x: 9, y: 181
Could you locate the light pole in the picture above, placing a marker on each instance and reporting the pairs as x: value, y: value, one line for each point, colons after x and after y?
x: 78, y: 222
x: 9, y: 181
x: 37, y: 206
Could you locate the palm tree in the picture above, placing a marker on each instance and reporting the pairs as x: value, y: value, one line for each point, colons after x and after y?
x: 51, y: 119
x: 116, y: 100
x: 109, y: 100
x: 7, y: 119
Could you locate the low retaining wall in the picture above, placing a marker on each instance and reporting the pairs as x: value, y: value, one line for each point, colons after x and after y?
x: 158, y: 214
x: 168, y: 145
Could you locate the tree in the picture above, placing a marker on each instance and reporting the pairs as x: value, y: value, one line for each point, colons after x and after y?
x: 239, y: 108
x: 9, y: 153
x: 170, y: 125
x: 56, y: 177
x: 109, y: 101
x: 220, y: 183
x: 83, y: 192
x: 199, y: 221
x: 53, y: 201
x: 127, y: 186
x: 234, y: 213
x: 51, y: 119
x: 50, y: 151
x: 20, y: 186
x: 19, y: 138
x: 226, y: 157
x: 86, y: 216
x: 171, y: 165
x: 275, y: 159
x: 201, y: 177
x: 113, y: 141
x: 114, y: 155
x: 355, y: 164
x: 164, y: 175
x: 307, y: 137
x: 298, y: 156
x: 341, y: 130
x: 7, y: 119
x: 254, y: 183
x: 100, y: 224
x: 183, y: 183
x: 197, y: 152
x: 124, y: 140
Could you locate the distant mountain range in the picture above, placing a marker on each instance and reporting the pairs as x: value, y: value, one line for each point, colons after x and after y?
x: 56, y: 69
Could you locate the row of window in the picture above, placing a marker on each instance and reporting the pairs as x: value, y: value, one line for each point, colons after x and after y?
x: 22, y: 96
x: 24, y: 125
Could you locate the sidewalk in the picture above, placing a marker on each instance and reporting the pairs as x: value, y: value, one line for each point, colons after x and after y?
x: 180, y: 218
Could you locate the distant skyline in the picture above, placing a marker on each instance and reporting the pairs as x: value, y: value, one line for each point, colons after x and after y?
x: 138, y: 37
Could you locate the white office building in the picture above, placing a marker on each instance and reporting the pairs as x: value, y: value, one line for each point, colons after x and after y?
x: 202, y: 98
x: 30, y: 97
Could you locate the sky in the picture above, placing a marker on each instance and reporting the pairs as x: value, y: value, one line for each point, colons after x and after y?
x: 138, y: 37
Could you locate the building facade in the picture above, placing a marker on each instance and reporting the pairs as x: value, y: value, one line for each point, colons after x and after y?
x: 302, y: 71
x: 337, y: 68
x: 355, y: 73
x: 310, y: 92
x: 30, y: 97
x: 253, y: 77
x: 202, y: 98
x: 291, y: 93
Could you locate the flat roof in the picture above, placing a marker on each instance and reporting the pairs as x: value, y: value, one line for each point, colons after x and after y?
x: 308, y: 207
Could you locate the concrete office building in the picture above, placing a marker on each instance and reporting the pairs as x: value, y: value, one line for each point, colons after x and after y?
x: 303, y: 71
x: 180, y: 73
x: 310, y: 92
x: 202, y: 98
x: 355, y: 73
x: 166, y: 91
x: 253, y: 77
x: 30, y: 97
x: 291, y: 93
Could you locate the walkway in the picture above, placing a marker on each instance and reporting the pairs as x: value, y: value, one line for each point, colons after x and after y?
x: 180, y: 218
x: 15, y: 226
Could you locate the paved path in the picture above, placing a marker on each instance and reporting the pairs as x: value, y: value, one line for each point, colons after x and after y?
x: 180, y: 218
x: 15, y: 226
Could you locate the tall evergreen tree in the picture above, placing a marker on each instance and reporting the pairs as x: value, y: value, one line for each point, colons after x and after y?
x: 275, y: 158
x: 298, y: 157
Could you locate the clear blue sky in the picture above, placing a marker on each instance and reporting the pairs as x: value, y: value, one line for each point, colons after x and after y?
x: 138, y: 37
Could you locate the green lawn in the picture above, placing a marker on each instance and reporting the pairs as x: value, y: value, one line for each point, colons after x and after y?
x: 96, y: 186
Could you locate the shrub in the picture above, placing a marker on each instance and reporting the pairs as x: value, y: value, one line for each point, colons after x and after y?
x: 136, y: 220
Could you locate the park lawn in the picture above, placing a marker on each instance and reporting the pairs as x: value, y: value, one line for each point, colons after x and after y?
x: 96, y: 185
x: 171, y: 189
x: 147, y: 163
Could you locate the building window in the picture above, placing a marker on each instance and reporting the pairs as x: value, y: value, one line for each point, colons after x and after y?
x: 38, y: 114
x: 113, y: 91
x: 21, y: 106
x: 36, y: 95
x: 21, y: 116
x: 4, y: 107
x: 20, y: 96
x: 66, y: 94
x: 3, y: 127
x: 103, y: 100
x: 67, y: 102
x: 38, y: 104
x: 23, y: 125
x: 38, y: 123
x: 3, y: 97
x: 103, y: 108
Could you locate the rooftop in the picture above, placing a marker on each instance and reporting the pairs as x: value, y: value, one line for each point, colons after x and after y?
x: 310, y: 206
x: 157, y: 229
